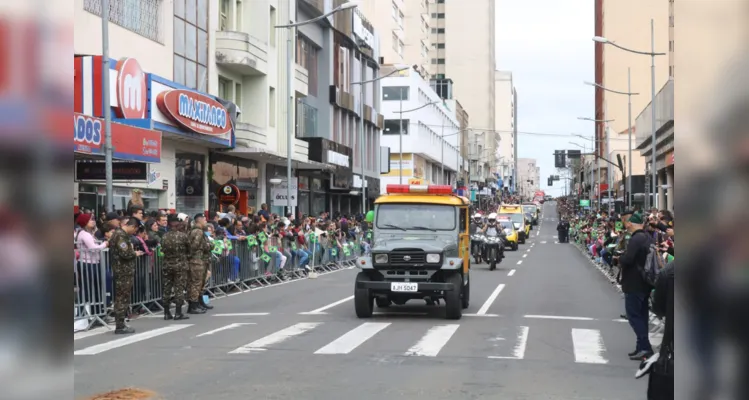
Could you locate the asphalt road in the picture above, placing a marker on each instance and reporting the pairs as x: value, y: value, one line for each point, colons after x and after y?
x: 544, y: 325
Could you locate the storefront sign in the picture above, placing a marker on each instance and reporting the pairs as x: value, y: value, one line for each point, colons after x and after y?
x: 132, y: 95
x: 228, y: 195
x: 194, y: 111
x: 279, y: 193
x: 122, y: 171
x: 129, y: 142
x: 338, y: 159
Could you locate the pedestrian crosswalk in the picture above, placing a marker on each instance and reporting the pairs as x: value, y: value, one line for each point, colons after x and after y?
x: 404, y: 338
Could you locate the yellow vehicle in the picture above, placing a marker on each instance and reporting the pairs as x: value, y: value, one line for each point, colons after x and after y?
x: 421, y: 251
x: 511, y: 234
x: 516, y: 214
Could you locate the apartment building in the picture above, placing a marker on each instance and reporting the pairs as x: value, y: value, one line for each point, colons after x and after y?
x: 628, y: 24
x: 529, y: 176
x: 506, y: 126
x: 404, y: 31
x: 462, y: 61
x: 422, y: 131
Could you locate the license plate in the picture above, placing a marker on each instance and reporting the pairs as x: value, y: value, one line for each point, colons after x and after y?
x: 404, y: 287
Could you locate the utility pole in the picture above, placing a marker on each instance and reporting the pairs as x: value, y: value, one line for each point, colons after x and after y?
x: 107, y: 107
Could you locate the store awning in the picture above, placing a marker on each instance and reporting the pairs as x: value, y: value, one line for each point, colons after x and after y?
x: 272, y: 157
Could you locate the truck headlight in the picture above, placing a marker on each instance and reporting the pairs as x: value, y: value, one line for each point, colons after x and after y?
x: 381, y: 259
x: 433, y: 258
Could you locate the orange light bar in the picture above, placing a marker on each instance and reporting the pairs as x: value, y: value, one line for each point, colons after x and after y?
x: 428, y: 189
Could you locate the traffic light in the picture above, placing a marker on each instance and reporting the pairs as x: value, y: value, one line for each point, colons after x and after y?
x: 550, y: 182
x: 559, y: 159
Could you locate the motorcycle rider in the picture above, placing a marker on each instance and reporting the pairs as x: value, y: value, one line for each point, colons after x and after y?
x: 491, y: 229
x: 476, y: 224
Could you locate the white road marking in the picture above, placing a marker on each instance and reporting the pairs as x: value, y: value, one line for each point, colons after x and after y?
x: 511, y: 273
x: 247, y: 314
x: 353, y: 338
x: 488, y: 303
x: 331, y: 305
x: 89, y: 333
x: 529, y: 250
x: 559, y: 317
x: 589, y: 347
x: 276, y: 338
x: 399, y: 313
x: 525, y: 255
x: 556, y: 242
x: 227, y: 327
x: 434, y: 340
x: 520, y: 262
x: 544, y: 242
x: 130, y: 339
x: 481, y: 315
x: 621, y: 320
x: 518, y: 352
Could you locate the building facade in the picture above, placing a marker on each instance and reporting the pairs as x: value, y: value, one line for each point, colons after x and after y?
x: 529, y: 174
x: 425, y: 142
x: 628, y: 24
x: 506, y: 125
x: 664, y: 146
x: 462, y: 60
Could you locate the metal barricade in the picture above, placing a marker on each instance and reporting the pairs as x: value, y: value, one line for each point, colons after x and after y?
x: 92, y: 280
x: 147, y: 285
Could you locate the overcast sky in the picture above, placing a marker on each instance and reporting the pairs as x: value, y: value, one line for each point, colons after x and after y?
x: 548, y: 47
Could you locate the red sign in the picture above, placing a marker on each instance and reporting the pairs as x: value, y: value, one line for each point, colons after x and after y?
x: 194, y: 111
x: 129, y: 142
x: 131, y: 90
x: 669, y: 159
x: 228, y: 194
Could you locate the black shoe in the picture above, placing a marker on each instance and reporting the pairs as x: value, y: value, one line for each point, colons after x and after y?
x: 632, y: 353
x: 178, y: 314
x: 641, y: 355
x: 194, y: 308
x: 124, y: 330
x: 167, y: 315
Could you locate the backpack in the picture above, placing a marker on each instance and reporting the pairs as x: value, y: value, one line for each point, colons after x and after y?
x: 653, y: 264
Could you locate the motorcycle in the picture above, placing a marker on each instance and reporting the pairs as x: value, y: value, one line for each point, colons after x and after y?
x: 494, y: 248
x: 477, y: 247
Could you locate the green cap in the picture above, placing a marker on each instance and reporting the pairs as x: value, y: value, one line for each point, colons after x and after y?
x: 636, y: 218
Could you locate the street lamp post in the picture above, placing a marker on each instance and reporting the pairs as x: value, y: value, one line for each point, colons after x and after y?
x: 598, y: 157
x: 652, y: 54
x: 290, y: 100
x: 629, y: 95
x: 400, y: 132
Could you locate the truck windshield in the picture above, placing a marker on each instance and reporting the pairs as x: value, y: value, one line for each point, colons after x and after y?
x: 516, y: 218
x: 416, y: 217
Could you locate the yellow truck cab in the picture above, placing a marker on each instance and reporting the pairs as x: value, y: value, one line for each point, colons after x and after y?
x: 420, y: 251
x: 516, y: 214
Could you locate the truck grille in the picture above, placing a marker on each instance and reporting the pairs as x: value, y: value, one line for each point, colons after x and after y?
x: 407, y: 258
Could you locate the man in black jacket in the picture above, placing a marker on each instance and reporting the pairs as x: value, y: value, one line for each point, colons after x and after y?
x: 636, y: 289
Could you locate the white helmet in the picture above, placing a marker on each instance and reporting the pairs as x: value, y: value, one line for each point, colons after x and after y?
x: 492, y: 217
x: 477, y: 216
x: 182, y: 217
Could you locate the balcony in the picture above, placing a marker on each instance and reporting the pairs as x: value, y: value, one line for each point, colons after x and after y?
x: 250, y: 136
x: 242, y: 53
x: 301, y: 82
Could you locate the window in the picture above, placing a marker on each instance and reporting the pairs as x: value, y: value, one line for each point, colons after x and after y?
x: 434, y: 30
x: 670, y: 45
x: 440, y: 61
x: 306, y: 57
x: 440, y: 45
x: 140, y: 16
x: 343, y: 69
x: 273, y: 23
x: 224, y: 88
x: 223, y: 19
x: 440, y: 15
x: 434, y: 61
x: 238, y: 98
x: 271, y: 106
x: 395, y: 42
x: 395, y: 11
x: 405, y: 216
x: 191, y: 43
x: 395, y: 93
x: 400, y: 47
x: 440, y: 1
x: 393, y: 127
x: 440, y: 30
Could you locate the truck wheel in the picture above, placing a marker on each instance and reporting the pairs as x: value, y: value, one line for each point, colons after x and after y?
x: 515, y: 246
x: 466, y: 298
x: 453, y: 300
x: 363, y: 300
x: 382, y: 302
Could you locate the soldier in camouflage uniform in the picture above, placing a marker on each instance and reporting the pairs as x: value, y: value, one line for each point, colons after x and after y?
x: 199, y: 248
x: 123, y: 268
x: 174, y: 245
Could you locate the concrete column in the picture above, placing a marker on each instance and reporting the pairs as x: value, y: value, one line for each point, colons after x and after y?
x: 670, y: 183
x: 261, y: 186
